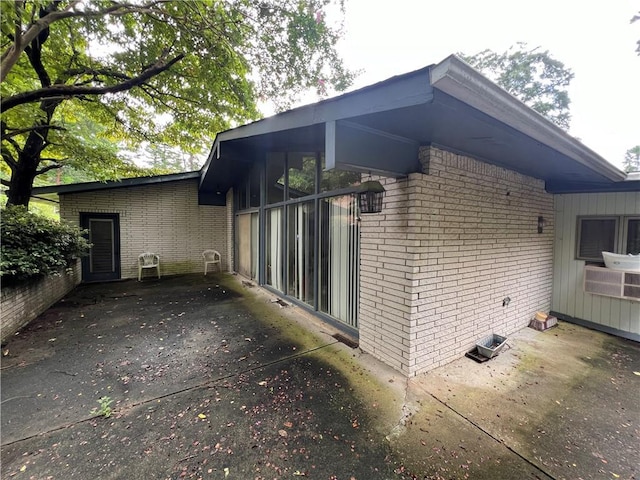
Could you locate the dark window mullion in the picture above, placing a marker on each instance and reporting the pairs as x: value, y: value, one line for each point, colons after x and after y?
x: 316, y: 235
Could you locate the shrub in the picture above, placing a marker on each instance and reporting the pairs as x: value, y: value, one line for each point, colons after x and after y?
x: 35, y: 246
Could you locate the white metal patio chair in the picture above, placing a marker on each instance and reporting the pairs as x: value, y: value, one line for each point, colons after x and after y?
x: 211, y: 257
x: 148, y: 260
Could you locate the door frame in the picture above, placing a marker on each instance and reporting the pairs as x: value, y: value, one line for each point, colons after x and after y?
x: 85, y: 222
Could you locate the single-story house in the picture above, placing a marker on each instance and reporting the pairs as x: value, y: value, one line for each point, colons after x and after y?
x: 490, y: 214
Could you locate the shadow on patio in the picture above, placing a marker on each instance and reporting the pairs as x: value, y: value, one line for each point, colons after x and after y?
x: 210, y: 379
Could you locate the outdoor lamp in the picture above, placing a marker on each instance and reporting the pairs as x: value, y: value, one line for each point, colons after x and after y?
x: 541, y: 224
x: 370, y: 196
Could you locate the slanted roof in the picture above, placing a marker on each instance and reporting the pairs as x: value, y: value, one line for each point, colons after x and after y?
x: 379, y: 128
x: 123, y: 183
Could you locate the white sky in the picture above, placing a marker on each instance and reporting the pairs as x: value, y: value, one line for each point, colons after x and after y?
x: 593, y: 38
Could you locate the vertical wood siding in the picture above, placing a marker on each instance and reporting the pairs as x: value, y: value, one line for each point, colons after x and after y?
x: 569, y: 297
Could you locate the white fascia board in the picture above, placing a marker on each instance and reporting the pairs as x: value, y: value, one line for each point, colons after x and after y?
x: 458, y: 79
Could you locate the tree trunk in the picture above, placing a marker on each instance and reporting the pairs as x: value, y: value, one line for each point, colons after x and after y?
x: 22, y: 177
x: 26, y: 170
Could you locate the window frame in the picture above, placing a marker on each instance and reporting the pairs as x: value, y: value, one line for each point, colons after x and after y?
x: 625, y: 231
x: 621, y: 230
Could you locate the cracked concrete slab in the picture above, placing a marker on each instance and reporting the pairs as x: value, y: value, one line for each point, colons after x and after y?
x: 564, y: 401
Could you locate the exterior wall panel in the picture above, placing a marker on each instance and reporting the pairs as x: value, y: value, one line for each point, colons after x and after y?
x: 163, y: 218
x: 449, y: 246
x: 615, y: 315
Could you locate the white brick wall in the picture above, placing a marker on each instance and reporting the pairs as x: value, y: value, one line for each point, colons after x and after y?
x: 162, y: 218
x: 24, y: 303
x: 448, y: 247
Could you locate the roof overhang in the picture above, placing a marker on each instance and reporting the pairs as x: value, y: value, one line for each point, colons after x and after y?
x: 380, y: 128
x: 324, y: 126
x: 463, y: 82
x: 111, y: 184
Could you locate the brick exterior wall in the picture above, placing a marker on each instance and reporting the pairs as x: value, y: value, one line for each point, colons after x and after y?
x: 21, y: 304
x: 449, y: 246
x: 163, y: 218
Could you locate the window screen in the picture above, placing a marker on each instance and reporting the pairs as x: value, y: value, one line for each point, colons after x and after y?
x: 596, y: 235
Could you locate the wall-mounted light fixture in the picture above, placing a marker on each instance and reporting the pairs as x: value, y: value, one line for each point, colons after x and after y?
x: 541, y: 224
x: 370, y: 196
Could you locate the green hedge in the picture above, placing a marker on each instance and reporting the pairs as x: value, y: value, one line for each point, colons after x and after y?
x: 35, y: 246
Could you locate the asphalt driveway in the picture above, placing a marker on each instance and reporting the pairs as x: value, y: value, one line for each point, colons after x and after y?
x: 210, y: 378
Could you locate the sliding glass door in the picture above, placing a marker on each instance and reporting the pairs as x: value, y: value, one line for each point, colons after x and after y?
x: 273, y: 248
x: 301, y: 228
x: 301, y: 252
x: 247, y: 244
x: 339, y: 258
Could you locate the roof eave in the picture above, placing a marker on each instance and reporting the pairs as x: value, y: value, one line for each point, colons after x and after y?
x: 336, y: 108
x: 126, y: 182
x: 458, y: 79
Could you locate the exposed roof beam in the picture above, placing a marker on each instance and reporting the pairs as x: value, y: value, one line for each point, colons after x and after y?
x: 355, y: 147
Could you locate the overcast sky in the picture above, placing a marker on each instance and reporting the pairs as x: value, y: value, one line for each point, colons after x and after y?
x: 594, y: 39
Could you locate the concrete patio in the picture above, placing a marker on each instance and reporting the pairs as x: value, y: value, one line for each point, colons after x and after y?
x: 210, y: 378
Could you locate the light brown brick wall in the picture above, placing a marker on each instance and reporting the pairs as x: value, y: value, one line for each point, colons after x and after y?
x: 163, y: 218
x: 450, y: 245
x: 388, y: 247
x: 21, y: 304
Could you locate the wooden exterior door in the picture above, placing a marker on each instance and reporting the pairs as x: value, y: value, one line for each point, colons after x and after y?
x: 103, y: 261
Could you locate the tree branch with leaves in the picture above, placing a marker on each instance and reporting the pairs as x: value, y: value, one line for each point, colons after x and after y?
x: 531, y: 75
x: 631, y: 161
x: 81, y: 79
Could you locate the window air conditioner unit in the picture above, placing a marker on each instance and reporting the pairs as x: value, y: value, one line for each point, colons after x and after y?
x: 612, y: 283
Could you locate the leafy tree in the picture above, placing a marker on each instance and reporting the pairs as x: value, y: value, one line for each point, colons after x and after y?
x: 302, y: 180
x: 34, y: 246
x: 81, y: 77
x: 531, y: 75
x: 166, y: 159
x: 632, y: 160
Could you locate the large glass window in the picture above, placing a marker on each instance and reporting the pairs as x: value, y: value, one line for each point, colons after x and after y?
x: 339, y: 258
x: 273, y: 248
x: 301, y: 254
x: 336, y: 179
x: 301, y: 174
x: 254, y: 186
x: 247, y: 244
x: 616, y: 234
x: 255, y: 244
x: 596, y: 235
x: 275, y: 177
x: 633, y: 236
x: 242, y: 196
x: 311, y: 236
